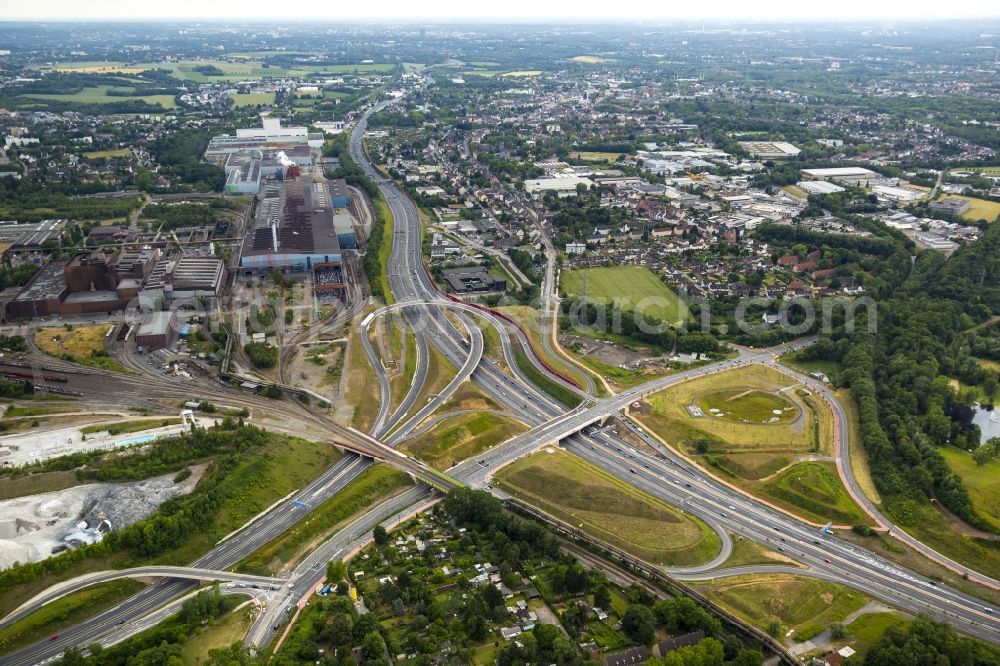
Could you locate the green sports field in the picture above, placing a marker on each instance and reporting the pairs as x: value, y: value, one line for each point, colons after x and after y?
x: 636, y: 287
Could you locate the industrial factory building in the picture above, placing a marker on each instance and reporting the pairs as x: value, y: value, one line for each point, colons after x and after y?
x: 110, y: 279
x: 294, y: 229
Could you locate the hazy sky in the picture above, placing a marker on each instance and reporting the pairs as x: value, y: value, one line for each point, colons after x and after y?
x: 565, y: 10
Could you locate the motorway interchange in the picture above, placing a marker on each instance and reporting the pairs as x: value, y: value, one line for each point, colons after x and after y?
x: 666, y: 475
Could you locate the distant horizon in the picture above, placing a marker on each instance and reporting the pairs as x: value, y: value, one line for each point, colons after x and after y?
x: 513, y: 11
x: 501, y: 20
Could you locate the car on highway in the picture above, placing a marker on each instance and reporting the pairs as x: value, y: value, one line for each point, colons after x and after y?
x: 53, y: 637
x: 276, y: 627
x: 632, y: 470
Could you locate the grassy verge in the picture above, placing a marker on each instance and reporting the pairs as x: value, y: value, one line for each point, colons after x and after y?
x: 857, y: 453
x: 362, y: 386
x: 65, y: 612
x: 385, y: 247
x: 124, y: 427
x: 609, y: 509
x: 528, y: 318
x: 555, y: 389
x: 81, y: 344
x: 746, y: 552
x: 804, y: 605
x: 929, y: 526
x: 440, y: 372
x: 16, y: 411
x: 372, y: 485
x: 461, y: 437
x: 400, y: 382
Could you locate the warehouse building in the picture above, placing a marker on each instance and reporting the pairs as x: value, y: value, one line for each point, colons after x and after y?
x: 950, y: 205
x: 849, y: 175
x: 158, y: 330
x: 564, y: 186
x: 472, y: 280
x: 770, y: 150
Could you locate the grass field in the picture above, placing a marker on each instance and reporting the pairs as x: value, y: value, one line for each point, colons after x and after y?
x: 747, y: 552
x: 372, y: 485
x: 123, y: 427
x: 65, y: 612
x: 672, y: 421
x: 590, y: 59
x: 253, y: 99
x: 609, y: 509
x: 523, y: 73
x: 982, y: 482
x: 981, y: 209
x: 35, y: 484
x: 221, y: 633
x: 748, y: 406
x: 108, y: 154
x: 463, y: 436
x: 764, y: 459
x: 83, y: 345
x: 636, y: 287
x: 865, y: 631
x: 39, y: 410
x: 813, y: 490
x: 591, y: 156
x: 97, y: 67
x: 796, y: 191
x: 99, y: 95
x: 804, y: 605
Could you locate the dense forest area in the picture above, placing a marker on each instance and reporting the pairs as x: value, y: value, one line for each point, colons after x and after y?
x: 899, y: 375
x: 179, y: 156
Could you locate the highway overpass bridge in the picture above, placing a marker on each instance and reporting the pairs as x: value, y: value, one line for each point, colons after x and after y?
x: 60, y: 590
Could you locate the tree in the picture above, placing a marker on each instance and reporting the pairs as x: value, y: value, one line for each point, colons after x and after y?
x: 373, y: 647
x: 336, y: 571
x: 638, y: 624
x: 773, y: 628
x: 990, y: 386
x: 838, y: 631
x: 602, y: 597
x: 380, y: 536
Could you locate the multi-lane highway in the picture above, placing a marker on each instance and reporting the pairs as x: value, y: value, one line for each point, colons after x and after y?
x: 673, y: 480
x: 666, y: 476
